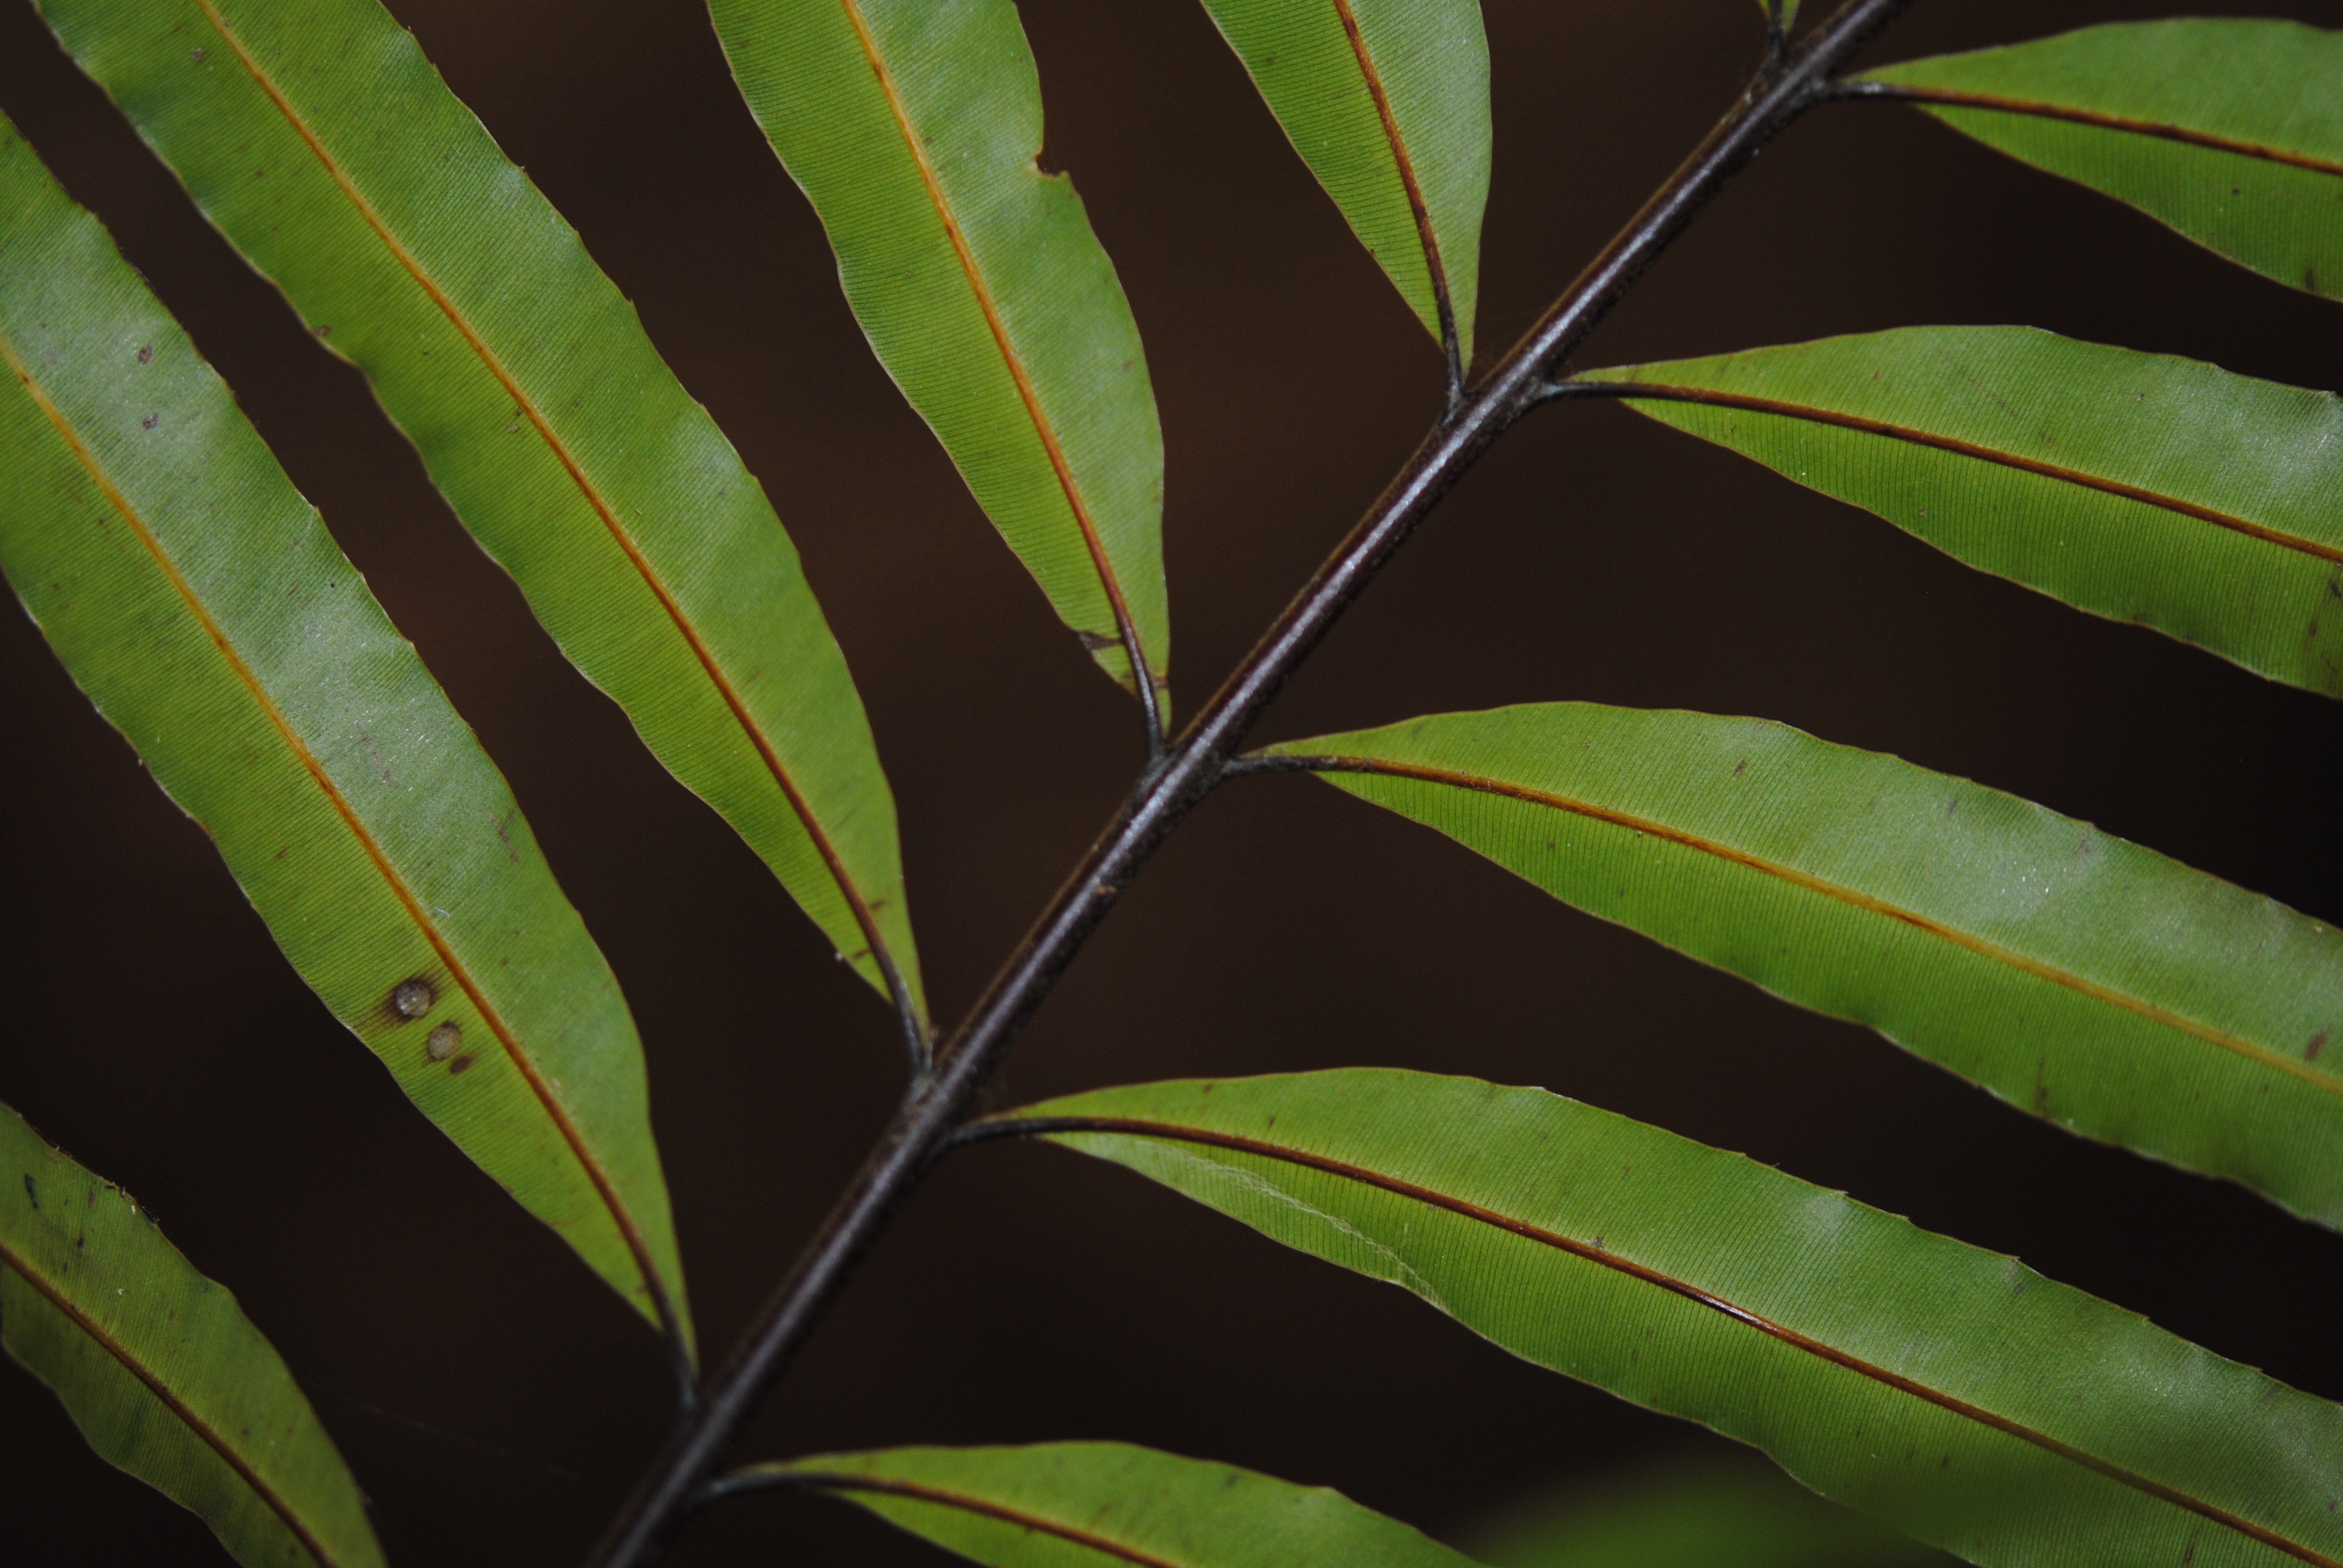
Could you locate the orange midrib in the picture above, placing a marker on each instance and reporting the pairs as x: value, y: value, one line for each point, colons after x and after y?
x: 1663, y: 392
x: 881, y: 952
x: 1588, y: 1252
x: 1443, y: 306
x: 173, y: 1404
x: 833, y: 1482
x: 2162, y: 130
x: 603, y: 1185
x: 1142, y: 675
x: 1848, y: 896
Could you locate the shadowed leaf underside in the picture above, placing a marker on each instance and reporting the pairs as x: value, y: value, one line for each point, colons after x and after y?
x: 2089, y: 981
x: 913, y: 128
x: 324, y: 145
x: 199, y: 602
x: 2229, y: 130
x: 1951, y: 1391
x: 2137, y: 486
x: 161, y: 1370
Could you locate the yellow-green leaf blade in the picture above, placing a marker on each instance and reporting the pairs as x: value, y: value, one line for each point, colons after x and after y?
x: 1387, y: 101
x: 912, y: 128
x: 200, y: 603
x: 1950, y: 1390
x: 324, y: 147
x: 1109, y: 1504
x: 161, y: 1370
x: 2085, y: 978
x: 2229, y: 130
x: 2138, y: 486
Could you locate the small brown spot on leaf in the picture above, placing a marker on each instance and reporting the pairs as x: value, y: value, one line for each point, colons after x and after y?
x: 2318, y: 1043
x: 322, y: 330
x: 1740, y: 768
x: 196, y: 53
x: 1946, y: 1462
x: 32, y: 1191
x: 443, y: 1042
x: 146, y: 352
x: 1098, y: 642
x: 411, y: 998
x: 149, y: 422
x: 461, y: 1064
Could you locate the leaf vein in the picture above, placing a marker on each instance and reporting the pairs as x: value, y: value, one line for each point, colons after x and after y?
x: 1955, y: 98
x: 173, y: 1403
x: 558, y: 1114
x: 1142, y: 675
x: 602, y: 508
x: 1849, y: 896
x: 980, y: 1506
x: 1634, y: 390
x: 1589, y: 1252
x: 1433, y: 262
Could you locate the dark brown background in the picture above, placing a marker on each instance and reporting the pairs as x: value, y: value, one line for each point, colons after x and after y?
x: 497, y: 1402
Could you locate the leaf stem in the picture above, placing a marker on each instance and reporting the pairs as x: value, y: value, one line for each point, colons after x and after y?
x: 931, y: 1113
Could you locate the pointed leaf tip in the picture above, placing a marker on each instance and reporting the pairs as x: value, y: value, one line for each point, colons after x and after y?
x: 2087, y: 980
x: 1112, y: 1505
x: 200, y: 603
x: 2228, y: 130
x: 913, y: 129
x: 417, y: 251
x: 1387, y: 101
x: 1951, y: 1391
x: 161, y: 1370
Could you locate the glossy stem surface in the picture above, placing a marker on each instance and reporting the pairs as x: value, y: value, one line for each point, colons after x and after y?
x: 1171, y: 787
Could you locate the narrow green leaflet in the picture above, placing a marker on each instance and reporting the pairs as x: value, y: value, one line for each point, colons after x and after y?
x: 2228, y: 130
x: 326, y: 149
x: 1950, y: 1390
x: 1705, y: 1515
x: 1387, y: 101
x: 2133, y: 486
x: 1106, y: 1504
x: 200, y: 603
x: 2089, y: 980
x: 913, y: 128
x: 161, y: 1370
